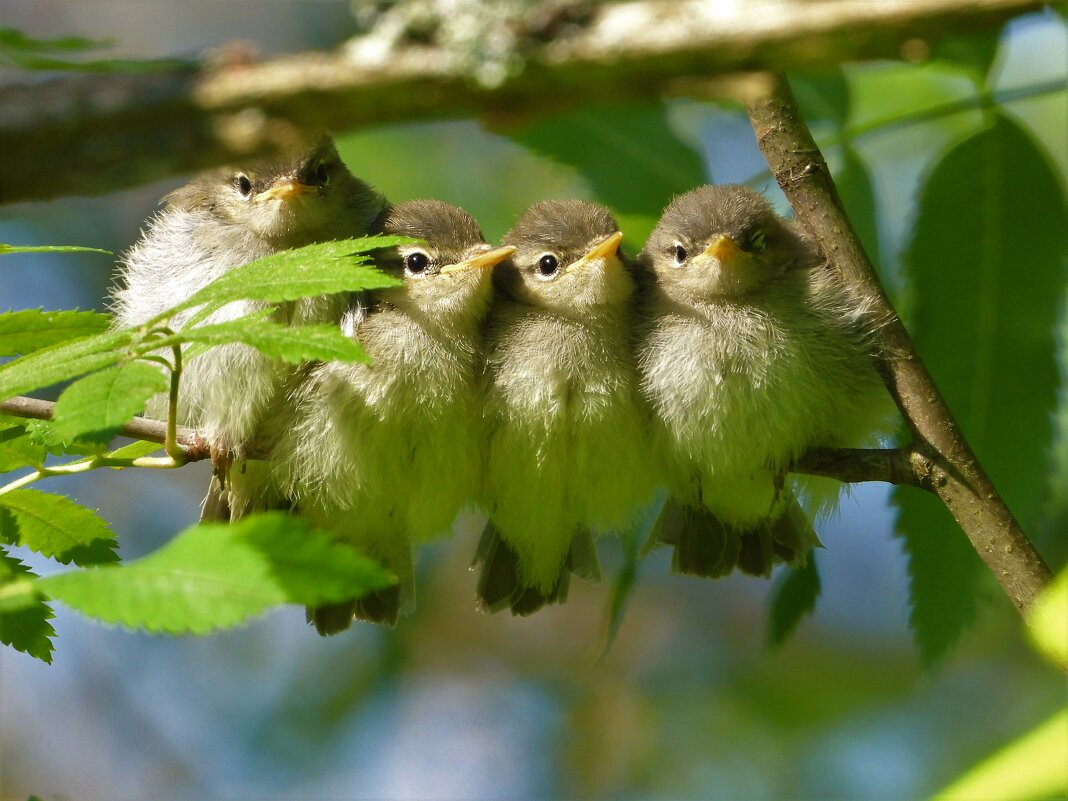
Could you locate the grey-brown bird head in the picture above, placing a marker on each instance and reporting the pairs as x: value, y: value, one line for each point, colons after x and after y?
x: 447, y: 274
x: 722, y: 242
x: 567, y: 258
x: 310, y: 198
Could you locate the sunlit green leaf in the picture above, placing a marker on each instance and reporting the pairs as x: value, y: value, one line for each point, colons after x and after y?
x: 135, y: 450
x: 794, y: 597
x: 97, y: 406
x: 56, y: 526
x: 61, y: 362
x: 324, y: 268
x: 293, y: 344
x: 28, y: 330
x: 986, y: 268
x: 24, y: 626
x: 1032, y: 767
x: 43, y: 433
x: 215, y: 576
x: 1049, y: 621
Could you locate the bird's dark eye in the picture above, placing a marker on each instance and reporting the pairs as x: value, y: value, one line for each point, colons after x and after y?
x: 243, y: 184
x: 548, y: 264
x: 680, y: 253
x: 322, y: 174
x: 757, y: 240
x: 416, y: 262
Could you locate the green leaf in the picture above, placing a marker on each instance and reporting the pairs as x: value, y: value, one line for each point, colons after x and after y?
x: 623, y: 587
x: 974, y: 51
x: 28, y: 330
x: 17, y: 449
x: 945, y: 574
x: 987, y: 275
x: 854, y: 185
x: 794, y: 597
x: 50, y: 249
x: 43, y: 433
x: 96, y: 407
x: 56, y: 526
x: 17, y: 40
x: 822, y: 95
x: 1032, y: 767
x: 20, y: 50
x: 135, y: 450
x: 630, y: 156
x: 24, y: 625
x: 214, y: 576
x: 294, y: 344
x: 325, y: 268
x: 28, y: 61
x: 61, y: 362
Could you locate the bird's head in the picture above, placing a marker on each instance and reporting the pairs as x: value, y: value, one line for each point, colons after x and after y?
x: 567, y: 258
x: 721, y: 242
x: 310, y: 198
x: 448, y: 273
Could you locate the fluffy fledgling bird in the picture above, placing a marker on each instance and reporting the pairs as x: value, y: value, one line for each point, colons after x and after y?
x: 567, y: 442
x: 385, y: 453
x: 220, y: 221
x: 752, y: 352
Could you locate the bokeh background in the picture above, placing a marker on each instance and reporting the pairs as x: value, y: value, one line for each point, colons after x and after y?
x: 689, y: 702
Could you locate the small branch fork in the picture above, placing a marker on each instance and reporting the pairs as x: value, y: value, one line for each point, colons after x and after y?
x: 939, y: 458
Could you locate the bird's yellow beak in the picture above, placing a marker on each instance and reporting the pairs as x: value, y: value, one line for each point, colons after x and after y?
x: 607, y: 249
x: 487, y: 258
x: 724, y: 250
x: 284, y: 190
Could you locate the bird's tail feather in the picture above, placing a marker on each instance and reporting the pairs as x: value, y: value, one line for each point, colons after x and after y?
x: 705, y: 546
x: 500, y: 582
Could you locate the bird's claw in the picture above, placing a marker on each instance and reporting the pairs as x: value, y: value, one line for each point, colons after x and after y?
x: 223, y: 456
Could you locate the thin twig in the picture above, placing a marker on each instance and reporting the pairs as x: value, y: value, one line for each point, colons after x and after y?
x: 192, y: 443
x: 940, y: 459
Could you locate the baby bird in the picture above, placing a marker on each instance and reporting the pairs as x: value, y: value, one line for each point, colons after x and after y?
x: 220, y: 221
x: 385, y: 453
x: 567, y: 442
x: 752, y: 352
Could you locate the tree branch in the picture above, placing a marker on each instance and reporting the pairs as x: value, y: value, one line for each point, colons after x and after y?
x: 114, y: 131
x: 940, y: 458
x: 192, y: 443
x: 848, y: 465
x: 859, y: 465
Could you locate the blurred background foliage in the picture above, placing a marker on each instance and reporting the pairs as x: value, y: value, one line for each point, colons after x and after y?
x: 953, y: 167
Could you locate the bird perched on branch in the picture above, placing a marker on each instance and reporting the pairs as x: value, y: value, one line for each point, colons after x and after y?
x: 567, y: 442
x: 385, y: 453
x: 220, y: 221
x: 752, y: 352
